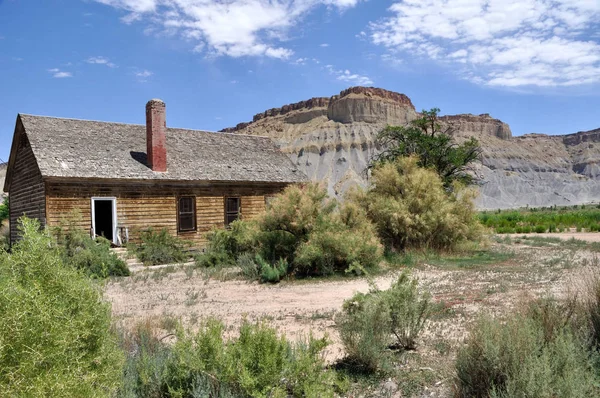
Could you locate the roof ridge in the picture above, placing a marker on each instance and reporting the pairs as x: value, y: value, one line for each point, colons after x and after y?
x: 141, y: 125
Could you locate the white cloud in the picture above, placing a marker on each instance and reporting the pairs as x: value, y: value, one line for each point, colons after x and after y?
x: 236, y: 28
x: 143, y: 75
x: 349, y: 77
x: 59, y: 74
x: 324, y: 45
x: 100, y: 61
x: 300, y: 61
x: 499, y: 42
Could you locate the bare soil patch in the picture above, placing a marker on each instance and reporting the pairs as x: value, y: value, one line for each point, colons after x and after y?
x: 460, y: 289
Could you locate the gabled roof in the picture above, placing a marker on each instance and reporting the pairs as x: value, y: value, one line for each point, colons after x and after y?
x: 89, y: 149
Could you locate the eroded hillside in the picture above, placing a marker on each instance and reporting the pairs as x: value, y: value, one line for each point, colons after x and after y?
x: 332, y: 140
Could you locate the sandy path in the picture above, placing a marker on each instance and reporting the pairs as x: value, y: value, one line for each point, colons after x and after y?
x: 301, y: 307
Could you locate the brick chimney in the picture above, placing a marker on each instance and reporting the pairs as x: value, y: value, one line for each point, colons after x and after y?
x: 156, y: 135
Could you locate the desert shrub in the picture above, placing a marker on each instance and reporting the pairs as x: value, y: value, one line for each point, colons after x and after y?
x: 55, y: 329
x: 93, y: 256
x: 258, y: 363
x: 149, y: 366
x: 409, y: 310
x: 160, y: 248
x: 400, y: 314
x: 314, y: 234
x: 532, y: 354
x: 306, y: 229
x: 254, y: 267
x: 248, y: 266
x: 590, y: 309
x: 226, y: 245
x: 411, y: 209
x: 144, y: 369
x: 4, y: 211
x: 4, y: 237
x: 540, y: 229
x: 272, y: 273
x: 365, y: 345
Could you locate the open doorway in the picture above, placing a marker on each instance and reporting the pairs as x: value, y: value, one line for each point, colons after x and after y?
x: 104, y: 217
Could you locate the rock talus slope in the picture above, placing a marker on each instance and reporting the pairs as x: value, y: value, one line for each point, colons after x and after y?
x: 332, y: 140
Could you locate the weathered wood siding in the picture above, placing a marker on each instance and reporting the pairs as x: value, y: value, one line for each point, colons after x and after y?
x: 27, y: 193
x: 143, y: 206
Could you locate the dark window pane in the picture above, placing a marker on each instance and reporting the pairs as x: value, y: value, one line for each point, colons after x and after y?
x: 187, y: 214
x: 186, y: 223
x: 232, y: 210
x: 233, y: 205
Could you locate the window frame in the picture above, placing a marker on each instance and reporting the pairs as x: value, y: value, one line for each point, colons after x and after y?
x: 239, y: 209
x: 193, y: 213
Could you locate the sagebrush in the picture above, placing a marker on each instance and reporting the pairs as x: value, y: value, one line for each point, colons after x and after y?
x: 370, y: 324
x: 533, y: 353
x: 258, y: 363
x: 160, y: 247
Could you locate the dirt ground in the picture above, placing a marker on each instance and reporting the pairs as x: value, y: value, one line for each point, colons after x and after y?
x: 586, y: 236
x: 504, y: 276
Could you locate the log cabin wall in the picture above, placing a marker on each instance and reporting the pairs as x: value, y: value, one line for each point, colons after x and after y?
x: 27, y: 193
x: 141, y: 206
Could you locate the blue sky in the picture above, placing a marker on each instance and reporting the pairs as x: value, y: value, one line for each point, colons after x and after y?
x: 534, y: 64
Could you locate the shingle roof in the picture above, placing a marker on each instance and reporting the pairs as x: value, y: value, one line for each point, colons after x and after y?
x: 91, y: 149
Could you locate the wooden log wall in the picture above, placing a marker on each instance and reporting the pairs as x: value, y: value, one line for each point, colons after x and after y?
x: 155, y: 205
x: 27, y: 193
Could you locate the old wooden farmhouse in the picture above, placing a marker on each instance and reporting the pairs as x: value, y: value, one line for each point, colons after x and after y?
x: 124, y: 178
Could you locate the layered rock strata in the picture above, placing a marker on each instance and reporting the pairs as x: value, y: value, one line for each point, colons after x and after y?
x: 332, y: 140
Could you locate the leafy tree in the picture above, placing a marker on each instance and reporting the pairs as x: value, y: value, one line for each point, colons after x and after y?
x: 434, y: 147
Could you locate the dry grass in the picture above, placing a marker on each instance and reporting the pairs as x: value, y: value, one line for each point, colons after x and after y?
x: 509, y: 273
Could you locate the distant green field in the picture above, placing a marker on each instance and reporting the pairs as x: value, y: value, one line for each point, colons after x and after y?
x: 546, y: 219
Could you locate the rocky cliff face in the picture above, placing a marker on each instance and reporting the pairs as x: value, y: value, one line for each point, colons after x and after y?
x: 332, y: 140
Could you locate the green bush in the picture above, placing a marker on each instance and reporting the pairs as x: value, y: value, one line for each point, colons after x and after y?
x: 314, y: 234
x: 258, y: 363
x: 159, y: 248
x: 409, y: 310
x: 92, y: 256
x: 55, y: 329
x: 363, y: 326
x: 540, y: 229
x: 531, y: 354
x: 272, y: 273
x: 400, y: 314
x: 306, y: 230
x: 4, y: 211
x: 411, y: 208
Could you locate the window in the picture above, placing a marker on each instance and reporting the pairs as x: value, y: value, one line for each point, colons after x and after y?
x: 186, y: 214
x: 232, y: 210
